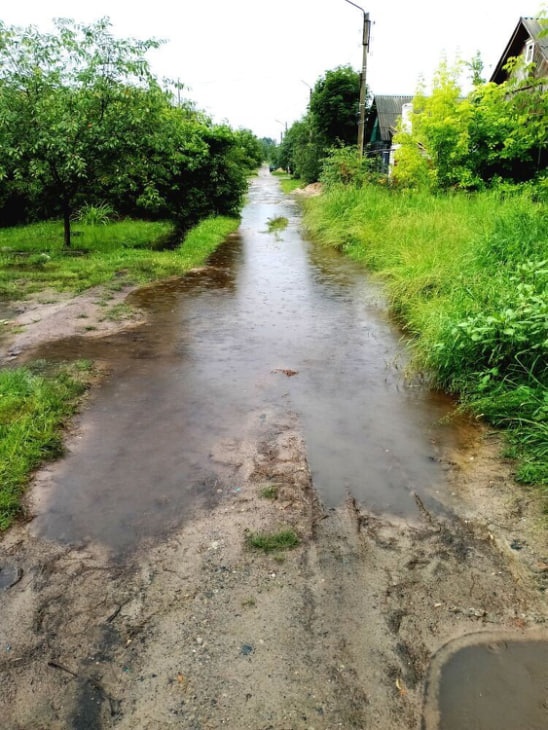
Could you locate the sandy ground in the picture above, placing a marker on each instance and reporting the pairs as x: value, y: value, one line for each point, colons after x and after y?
x: 200, y: 632
x: 53, y: 315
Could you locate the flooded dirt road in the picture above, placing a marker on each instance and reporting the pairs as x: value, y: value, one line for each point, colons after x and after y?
x: 217, y: 347
x: 274, y: 371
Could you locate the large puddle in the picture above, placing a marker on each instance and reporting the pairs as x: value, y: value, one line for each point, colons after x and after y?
x: 211, y: 355
x: 489, y: 683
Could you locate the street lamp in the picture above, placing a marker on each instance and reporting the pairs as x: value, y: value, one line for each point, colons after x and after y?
x: 363, y: 89
x: 284, y: 125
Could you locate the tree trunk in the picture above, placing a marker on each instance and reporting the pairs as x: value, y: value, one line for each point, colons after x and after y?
x: 66, y: 224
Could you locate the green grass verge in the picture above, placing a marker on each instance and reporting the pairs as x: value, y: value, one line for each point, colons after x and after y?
x: 287, y: 183
x: 35, y: 405
x: 32, y: 257
x: 270, y: 542
x: 467, y: 277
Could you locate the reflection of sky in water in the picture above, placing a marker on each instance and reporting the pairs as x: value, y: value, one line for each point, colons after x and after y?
x: 205, y: 361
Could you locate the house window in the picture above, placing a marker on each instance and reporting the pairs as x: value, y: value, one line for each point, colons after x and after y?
x: 529, y: 51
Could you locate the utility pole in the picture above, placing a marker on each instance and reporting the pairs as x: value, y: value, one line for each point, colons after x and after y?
x: 363, y: 77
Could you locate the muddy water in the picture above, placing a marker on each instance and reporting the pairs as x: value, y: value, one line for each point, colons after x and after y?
x: 501, y: 684
x: 211, y: 359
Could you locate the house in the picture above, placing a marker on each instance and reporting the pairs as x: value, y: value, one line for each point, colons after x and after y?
x: 382, y: 124
x: 529, y: 41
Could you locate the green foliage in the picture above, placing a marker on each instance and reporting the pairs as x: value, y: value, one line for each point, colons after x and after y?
x: 279, y: 223
x: 334, y: 106
x: 252, y: 151
x: 91, y: 215
x: 513, y: 333
x: 344, y: 166
x: 272, y: 541
x: 332, y: 120
x: 84, y: 121
x: 467, y: 277
x: 34, y: 406
x: 269, y: 492
x: 74, y: 101
x: 269, y: 150
x: 299, y: 153
x: 497, y: 131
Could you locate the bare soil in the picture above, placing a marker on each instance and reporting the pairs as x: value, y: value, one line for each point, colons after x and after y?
x: 52, y: 315
x: 201, y: 632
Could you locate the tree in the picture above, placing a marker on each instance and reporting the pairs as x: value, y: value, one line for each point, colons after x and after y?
x: 331, y: 121
x: 251, y: 149
x: 300, y: 152
x: 497, y: 131
x: 269, y: 149
x: 69, y: 102
x: 334, y: 106
x: 83, y: 120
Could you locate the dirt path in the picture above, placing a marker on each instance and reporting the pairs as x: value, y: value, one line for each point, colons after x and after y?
x: 201, y: 632
x: 52, y: 315
x: 197, y: 631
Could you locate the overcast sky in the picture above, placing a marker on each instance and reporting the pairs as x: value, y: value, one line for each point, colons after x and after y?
x: 250, y: 62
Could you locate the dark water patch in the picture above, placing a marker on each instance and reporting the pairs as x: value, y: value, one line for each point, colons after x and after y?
x: 10, y: 575
x: 497, y: 683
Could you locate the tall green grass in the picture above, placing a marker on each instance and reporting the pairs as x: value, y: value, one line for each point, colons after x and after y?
x: 467, y: 277
x: 35, y: 403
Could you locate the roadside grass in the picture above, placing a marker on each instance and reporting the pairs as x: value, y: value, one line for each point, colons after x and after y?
x: 32, y: 257
x: 466, y: 276
x: 288, y: 183
x: 36, y: 403
x: 269, y: 542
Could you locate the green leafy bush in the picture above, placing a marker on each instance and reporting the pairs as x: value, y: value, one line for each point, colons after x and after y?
x: 343, y: 166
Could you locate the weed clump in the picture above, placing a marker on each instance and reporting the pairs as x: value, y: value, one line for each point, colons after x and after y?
x: 269, y: 492
x: 268, y: 542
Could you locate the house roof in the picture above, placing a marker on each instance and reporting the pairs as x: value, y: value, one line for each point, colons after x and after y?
x: 525, y: 29
x: 388, y: 111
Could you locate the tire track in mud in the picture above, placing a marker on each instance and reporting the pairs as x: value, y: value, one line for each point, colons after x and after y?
x: 199, y: 632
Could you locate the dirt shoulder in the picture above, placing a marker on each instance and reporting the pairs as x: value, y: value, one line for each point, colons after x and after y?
x: 53, y: 315
x: 199, y: 631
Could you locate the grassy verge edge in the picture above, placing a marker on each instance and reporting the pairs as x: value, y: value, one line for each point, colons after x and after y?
x: 121, y: 253
x: 36, y: 403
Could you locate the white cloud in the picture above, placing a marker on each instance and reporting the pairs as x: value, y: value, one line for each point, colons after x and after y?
x: 246, y: 60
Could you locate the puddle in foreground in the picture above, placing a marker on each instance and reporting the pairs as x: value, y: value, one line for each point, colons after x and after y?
x: 206, y: 365
x: 501, y: 685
